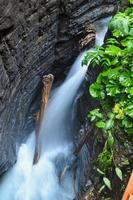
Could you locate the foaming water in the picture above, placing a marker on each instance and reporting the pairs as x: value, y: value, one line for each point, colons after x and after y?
x: 42, y: 181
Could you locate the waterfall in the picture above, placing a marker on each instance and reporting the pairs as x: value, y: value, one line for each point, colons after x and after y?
x: 41, y: 181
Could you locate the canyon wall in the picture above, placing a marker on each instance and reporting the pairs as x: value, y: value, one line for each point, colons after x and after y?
x: 38, y: 37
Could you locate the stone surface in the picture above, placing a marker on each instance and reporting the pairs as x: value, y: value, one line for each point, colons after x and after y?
x: 37, y: 37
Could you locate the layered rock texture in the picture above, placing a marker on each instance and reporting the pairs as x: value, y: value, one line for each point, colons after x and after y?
x: 37, y: 37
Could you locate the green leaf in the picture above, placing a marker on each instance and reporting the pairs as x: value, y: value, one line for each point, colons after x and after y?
x: 127, y: 123
x: 129, y: 111
x: 96, y: 91
x: 110, y: 73
x: 128, y: 42
x: 95, y: 114
x: 112, y: 50
x: 120, y: 24
x: 112, y: 41
x: 117, y: 33
x: 119, y: 173
x: 111, y: 115
x: 129, y: 131
x: 109, y: 124
x: 112, y: 89
x: 101, y: 189
x: 131, y: 1
x: 125, y: 79
x: 101, y: 124
x: 110, y: 140
x: 94, y: 88
x: 125, y: 162
x: 105, y: 159
x: 130, y: 91
x: 93, y: 57
x: 114, y: 61
x: 100, y: 172
x: 107, y: 182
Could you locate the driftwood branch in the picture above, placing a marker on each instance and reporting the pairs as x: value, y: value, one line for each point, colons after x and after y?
x: 47, y: 84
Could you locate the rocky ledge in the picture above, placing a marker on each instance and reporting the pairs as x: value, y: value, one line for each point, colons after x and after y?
x: 37, y: 37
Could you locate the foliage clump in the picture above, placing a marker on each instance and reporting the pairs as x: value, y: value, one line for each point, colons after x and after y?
x: 113, y: 88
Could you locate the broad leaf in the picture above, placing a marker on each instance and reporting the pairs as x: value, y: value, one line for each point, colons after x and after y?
x: 125, y: 79
x: 131, y: 1
x: 112, y: 89
x: 109, y: 124
x: 101, y: 124
x: 129, y: 111
x: 119, y: 173
x: 100, y: 172
x: 101, y: 189
x: 113, y: 50
x: 96, y: 91
x: 95, y: 114
x: 120, y: 24
x: 110, y: 140
x: 107, y: 183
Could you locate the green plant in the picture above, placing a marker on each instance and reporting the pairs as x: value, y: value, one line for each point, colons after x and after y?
x: 113, y: 88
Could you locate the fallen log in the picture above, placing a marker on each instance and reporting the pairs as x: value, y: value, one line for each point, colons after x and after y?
x: 47, y: 84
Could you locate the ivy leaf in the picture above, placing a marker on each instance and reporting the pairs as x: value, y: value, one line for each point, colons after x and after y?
x: 119, y: 173
x: 107, y: 182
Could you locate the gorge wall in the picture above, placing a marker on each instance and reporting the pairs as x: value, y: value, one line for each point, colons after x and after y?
x: 37, y: 37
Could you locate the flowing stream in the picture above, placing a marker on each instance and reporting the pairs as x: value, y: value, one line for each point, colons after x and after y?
x: 42, y: 181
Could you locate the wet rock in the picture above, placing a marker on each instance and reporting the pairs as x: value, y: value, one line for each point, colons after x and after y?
x: 37, y: 38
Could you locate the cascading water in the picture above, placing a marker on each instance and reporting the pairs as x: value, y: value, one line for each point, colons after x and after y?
x: 41, y: 181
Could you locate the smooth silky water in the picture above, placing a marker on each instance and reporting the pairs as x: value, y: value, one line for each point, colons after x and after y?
x: 41, y: 181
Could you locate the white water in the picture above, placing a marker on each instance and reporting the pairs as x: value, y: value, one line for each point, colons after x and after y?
x: 41, y: 181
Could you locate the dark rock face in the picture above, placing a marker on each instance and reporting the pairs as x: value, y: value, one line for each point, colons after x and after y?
x: 37, y: 37
x: 93, y: 142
